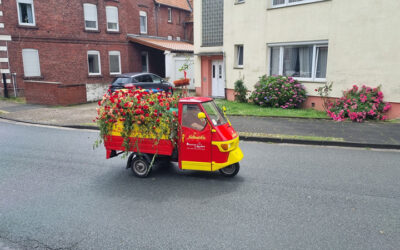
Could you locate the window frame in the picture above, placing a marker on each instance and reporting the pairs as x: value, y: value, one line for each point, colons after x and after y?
x: 281, y: 46
x: 114, y: 53
x: 19, y: 13
x: 112, y: 8
x: 143, y: 14
x: 239, y: 1
x: 287, y: 3
x: 25, y: 65
x: 84, y: 16
x: 94, y: 52
x: 237, y: 56
x: 169, y: 15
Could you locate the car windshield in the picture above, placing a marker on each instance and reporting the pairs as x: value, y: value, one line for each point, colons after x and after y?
x: 121, y: 81
x: 215, y: 113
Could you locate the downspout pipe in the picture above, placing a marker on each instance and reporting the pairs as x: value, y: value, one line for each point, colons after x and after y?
x: 156, y: 16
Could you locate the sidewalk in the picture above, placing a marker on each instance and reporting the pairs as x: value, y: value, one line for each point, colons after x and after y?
x: 267, y: 129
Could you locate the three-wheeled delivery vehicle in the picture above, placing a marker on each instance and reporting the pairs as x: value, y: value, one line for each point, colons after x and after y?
x: 206, y: 142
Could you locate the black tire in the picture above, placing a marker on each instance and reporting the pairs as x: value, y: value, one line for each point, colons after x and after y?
x: 140, y: 166
x: 231, y: 170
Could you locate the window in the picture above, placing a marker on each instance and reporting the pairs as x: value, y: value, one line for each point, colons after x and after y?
x: 90, y: 13
x: 30, y: 59
x: 143, y: 22
x: 144, y: 78
x: 26, y: 12
x: 305, y: 61
x: 239, y: 56
x: 169, y: 15
x: 115, y: 62
x: 112, y: 18
x: 240, y: 1
x: 190, y: 118
x: 215, y: 113
x: 156, y: 79
x: 94, y: 62
x: 283, y: 3
x: 212, y: 19
x: 145, y: 62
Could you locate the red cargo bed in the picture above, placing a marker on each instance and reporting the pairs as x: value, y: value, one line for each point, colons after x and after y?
x: 146, y: 146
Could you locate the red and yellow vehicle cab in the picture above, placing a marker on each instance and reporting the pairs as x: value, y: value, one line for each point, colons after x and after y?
x: 206, y: 142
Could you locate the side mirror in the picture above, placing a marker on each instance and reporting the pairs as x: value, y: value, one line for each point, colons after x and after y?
x: 201, y: 115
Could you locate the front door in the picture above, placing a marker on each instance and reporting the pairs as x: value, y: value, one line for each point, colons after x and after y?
x: 195, y: 140
x: 218, y: 80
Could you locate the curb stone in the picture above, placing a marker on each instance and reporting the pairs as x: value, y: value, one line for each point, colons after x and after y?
x: 320, y: 143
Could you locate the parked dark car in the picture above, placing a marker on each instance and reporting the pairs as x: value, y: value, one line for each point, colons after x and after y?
x: 143, y: 80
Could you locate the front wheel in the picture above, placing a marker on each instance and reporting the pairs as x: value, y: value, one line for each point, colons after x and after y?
x: 140, y: 167
x: 230, y: 170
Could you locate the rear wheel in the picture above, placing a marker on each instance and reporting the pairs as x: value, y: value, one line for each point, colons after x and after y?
x: 230, y: 170
x: 140, y: 167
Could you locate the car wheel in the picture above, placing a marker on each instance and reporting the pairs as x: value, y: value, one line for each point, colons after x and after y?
x: 140, y: 167
x: 231, y: 170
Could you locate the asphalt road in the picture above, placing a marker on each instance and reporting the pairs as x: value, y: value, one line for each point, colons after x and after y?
x: 56, y: 192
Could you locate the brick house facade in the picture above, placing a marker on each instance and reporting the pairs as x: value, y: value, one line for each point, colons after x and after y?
x: 64, y: 52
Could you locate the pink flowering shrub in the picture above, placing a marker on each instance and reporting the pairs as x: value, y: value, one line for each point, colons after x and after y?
x: 359, y: 104
x: 279, y: 92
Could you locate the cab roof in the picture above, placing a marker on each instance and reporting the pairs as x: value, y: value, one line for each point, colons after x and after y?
x: 195, y: 99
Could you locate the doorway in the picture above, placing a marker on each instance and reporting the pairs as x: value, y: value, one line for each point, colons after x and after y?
x: 218, y: 78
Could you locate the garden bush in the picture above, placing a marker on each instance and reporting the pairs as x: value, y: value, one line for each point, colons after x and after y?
x: 359, y: 104
x: 240, y: 91
x: 279, y: 92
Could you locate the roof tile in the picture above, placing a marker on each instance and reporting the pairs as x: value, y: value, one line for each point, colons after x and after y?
x: 181, y: 4
x: 163, y: 44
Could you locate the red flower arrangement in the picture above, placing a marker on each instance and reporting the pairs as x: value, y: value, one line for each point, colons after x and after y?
x: 138, y: 109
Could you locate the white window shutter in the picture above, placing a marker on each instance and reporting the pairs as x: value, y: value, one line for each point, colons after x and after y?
x: 30, y: 58
x: 115, y: 62
x: 112, y: 17
x: 90, y: 13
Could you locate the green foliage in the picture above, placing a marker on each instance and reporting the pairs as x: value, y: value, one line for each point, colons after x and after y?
x: 240, y: 91
x: 142, y: 113
x: 186, y: 65
x: 359, y: 104
x: 324, y: 92
x: 278, y: 92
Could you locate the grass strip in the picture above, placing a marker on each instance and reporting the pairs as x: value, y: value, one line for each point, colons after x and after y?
x: 249, y: 109
x: 21, y: 100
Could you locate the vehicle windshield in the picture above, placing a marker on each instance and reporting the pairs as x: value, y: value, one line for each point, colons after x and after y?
x: 121, y: 81
x: 215, y: 113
